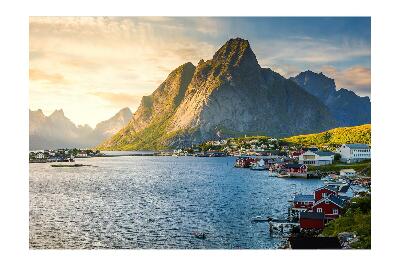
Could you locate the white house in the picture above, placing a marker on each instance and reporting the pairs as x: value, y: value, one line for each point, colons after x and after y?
x: 40, y: 155
x: 354, y: 152
x: 316, y: 158
x: 347, y: 172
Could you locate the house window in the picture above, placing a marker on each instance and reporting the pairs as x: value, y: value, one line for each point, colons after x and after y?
x: 319, y: 209
x: 335, y: 211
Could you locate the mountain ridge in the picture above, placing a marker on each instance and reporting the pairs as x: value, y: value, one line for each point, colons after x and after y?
x: 348, y: 108
x: 58, y: 131
x: 228, y: 95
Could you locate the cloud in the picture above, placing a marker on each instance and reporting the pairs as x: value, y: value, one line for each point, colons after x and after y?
x: 310, y: 50
x: 119, y: 99
x: 357, y: 78
x: 68, y: 56
x: 39, y: 75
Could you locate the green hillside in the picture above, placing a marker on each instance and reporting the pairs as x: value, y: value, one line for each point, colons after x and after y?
x: 334, y: 137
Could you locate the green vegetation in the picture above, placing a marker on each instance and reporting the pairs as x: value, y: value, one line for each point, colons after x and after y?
x: 334, y: 137
x: 155, y: 137
x: 152, y: 137
x: 356, y: 219
x: 364, y: 167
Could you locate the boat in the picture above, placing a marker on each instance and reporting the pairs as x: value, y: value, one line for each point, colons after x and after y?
x: 272, y: 174
x: 338, y: 182
x: 199, y: 235
x: 258, y: 165
x: 327, y: 178
x: 259, y: 219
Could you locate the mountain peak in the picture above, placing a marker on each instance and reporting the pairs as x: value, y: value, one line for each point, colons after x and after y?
x: 38, y: 111
x: 235, y: 51
x: 348, y: 108
x: 228, y: 95
x: 58, y: 112
x: 316, y: 83
x: 125, y: 110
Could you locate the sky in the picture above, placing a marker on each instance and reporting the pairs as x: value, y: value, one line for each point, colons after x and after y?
x: 91, y: 67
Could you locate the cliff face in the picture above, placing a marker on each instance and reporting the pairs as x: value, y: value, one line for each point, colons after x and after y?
x: 228, y: 95
x: 348, y: 108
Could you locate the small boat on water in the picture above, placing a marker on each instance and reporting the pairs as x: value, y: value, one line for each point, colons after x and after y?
x: 336, y: 182
x: 199, y: 235
x: 272, y: 174
x: 327, y: 178
x: 258, y: 165
x: 259, y: 219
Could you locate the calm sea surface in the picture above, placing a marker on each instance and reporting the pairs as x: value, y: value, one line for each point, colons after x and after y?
x: 156, y: 202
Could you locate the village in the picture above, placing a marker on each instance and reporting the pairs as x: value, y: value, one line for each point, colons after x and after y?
x: 309, y: 214
x: 61, y: 155
x: 341, y: 169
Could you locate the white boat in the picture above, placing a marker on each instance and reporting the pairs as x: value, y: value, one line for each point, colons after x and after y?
x: 259, y: 165
x: 338, y: 182
x: 327, y: 178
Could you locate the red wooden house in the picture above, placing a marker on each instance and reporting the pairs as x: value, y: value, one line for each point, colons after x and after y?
x: 331, y: 206
x: 324, y: 203
x: 296, y: 154
x: 303, y: 202
x: 312, y: 220
x: 244, y: 162
x: 296, y: 168
x: 324, y: 192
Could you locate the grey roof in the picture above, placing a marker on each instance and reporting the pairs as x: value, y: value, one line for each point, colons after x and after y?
x: 312, y: 215
x: 344, y: 198
x: 338, y: 201
x: 330, y: 187
x: 293, y: 165
x: 301, y: 197
x: 358, y: 146
x: 324, y: 153
x: 344, y: 189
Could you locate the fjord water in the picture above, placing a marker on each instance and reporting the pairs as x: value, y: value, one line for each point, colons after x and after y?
x: 156, y: 202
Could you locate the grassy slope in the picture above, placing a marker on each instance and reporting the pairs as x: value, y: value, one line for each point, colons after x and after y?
x: 152, y: 137
x: 334, y: 137
x: 357, y: 219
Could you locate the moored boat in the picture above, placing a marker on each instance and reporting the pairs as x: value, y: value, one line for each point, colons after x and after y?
x: 272, y: 174
x: 258, y: 165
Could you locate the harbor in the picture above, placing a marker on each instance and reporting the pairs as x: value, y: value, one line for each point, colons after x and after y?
x: 209, y: 191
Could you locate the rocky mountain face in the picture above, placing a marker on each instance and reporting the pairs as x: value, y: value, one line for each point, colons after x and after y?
x: 229, y: 95
x: 57, y: 131
x: 111, y: 126
x: 348, y: 108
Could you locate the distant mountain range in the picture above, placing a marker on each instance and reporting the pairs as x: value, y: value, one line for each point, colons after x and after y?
x: 347, y: 108
x: 57, y: 131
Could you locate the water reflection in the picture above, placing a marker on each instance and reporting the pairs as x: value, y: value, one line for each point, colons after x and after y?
x: 156, y: 202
